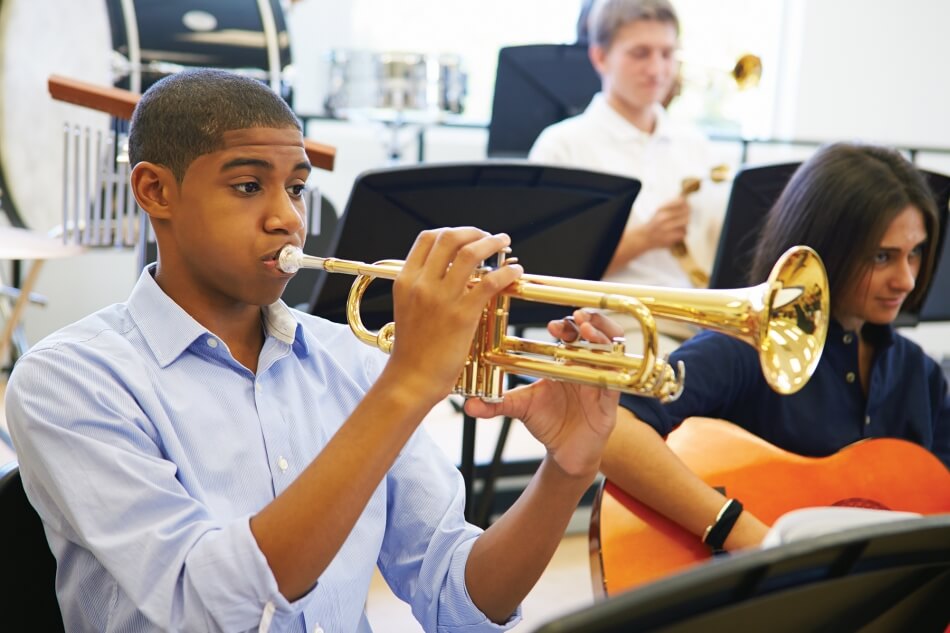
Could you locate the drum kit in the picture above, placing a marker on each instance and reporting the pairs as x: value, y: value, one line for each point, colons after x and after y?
x: 65, y: 184
x: 397, y: 89
x: 414, y: 84
x: 129, y: 44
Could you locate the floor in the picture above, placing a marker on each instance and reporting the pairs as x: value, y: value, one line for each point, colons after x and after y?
x: 564, y: 586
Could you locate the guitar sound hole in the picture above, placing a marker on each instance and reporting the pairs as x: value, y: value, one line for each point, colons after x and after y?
x: 860, y: 502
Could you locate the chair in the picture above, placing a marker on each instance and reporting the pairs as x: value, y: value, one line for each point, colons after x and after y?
x: 28, y: 575
x: 535, y: 86
x: 755, y: 190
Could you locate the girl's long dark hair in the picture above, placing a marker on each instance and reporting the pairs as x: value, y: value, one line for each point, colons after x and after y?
x: 840, y: 202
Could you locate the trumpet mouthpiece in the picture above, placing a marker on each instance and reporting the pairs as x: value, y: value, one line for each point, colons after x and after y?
x: 289, y: 259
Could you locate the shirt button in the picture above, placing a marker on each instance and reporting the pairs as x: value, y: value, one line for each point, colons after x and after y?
x: 318, y: 629
x: 282, y: 464
x: 212, y: 342
x: 257, y: 387
x: 849, y: 376
x: 848, y: 338
x: 867, y: 420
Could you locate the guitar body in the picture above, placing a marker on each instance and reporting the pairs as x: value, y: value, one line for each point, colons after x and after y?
x: 631, y: 544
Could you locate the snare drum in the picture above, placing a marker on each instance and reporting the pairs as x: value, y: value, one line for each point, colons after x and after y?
x: 109, y: 42
x: 395, y: 81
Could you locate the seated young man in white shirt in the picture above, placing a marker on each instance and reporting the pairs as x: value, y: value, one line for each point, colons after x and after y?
x: 626, y: 131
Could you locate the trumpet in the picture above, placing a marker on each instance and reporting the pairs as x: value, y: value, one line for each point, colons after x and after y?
x: 785, y: 319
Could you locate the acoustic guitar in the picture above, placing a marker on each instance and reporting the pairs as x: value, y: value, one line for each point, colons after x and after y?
x: 631, y: 544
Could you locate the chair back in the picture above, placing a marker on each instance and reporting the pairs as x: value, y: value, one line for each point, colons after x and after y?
x: 537, y: 85
x: 28, y: 574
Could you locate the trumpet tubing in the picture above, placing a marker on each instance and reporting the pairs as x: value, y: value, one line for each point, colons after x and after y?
x: 784, y: 318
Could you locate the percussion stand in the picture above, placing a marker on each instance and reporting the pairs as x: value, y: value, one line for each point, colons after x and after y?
x: 22, y: 244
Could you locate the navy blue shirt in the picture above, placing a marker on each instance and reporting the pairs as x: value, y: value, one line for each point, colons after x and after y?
x: 907, y: 395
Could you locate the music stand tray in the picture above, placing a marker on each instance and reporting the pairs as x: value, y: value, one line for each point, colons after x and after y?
x: 887, y: 577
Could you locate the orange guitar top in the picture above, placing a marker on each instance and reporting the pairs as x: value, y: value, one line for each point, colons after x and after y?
x: 631, y: 544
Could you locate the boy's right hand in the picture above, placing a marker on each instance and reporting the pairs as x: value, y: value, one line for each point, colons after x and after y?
x: 437, y: 310
x: 669, y: 224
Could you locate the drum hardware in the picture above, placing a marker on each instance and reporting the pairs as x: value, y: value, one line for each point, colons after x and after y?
x: 23, y: 244
x: 98, y: 208
x: 120, y: 104
x: 404, y: 91
x: 123, y: 68
x: 785, y: 319
x: 139, y: 36
x: 419, y: 83
x: 697, y: 276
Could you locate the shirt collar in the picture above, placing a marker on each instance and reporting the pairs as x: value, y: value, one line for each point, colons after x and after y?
x: 168, y: 330
x: 624, y: 129
x: 879, y: 335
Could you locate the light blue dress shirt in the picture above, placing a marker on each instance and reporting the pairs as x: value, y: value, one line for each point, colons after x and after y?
x: 146, y: 447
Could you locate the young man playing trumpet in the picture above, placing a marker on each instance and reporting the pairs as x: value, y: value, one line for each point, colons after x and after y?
x: 205, y: 458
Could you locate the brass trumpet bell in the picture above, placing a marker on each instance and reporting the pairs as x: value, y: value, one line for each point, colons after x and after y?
x: 747, y: 71
x: 785, y: 319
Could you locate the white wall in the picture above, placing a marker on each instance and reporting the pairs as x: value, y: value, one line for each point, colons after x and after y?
x: 849, y: 70
x: 872, y: 69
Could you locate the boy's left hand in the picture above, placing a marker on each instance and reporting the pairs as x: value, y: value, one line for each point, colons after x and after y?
x: 572, y: 421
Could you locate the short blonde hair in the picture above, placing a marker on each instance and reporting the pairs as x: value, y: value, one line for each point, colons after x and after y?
x: 608, y: 16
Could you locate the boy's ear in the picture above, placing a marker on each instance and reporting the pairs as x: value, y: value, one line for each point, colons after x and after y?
x: 596, y: 54
x: 153, y: 187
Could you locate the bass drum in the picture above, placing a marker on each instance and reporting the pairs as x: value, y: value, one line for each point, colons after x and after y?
x: 128, y: 43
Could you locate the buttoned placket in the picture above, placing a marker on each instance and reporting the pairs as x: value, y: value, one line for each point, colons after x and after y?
x: 269, y: 412
x: 873, y: 383
x: 850, y: 377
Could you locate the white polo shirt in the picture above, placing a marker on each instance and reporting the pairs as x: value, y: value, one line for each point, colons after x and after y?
x: 601, y: 139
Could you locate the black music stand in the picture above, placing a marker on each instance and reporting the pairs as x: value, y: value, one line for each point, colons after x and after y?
x: 756, y: 189
x: 535, y: 86
x: 562, y: 222
x: 887, y: 577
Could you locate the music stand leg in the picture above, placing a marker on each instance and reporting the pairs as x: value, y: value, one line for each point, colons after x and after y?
x: 25, y: 289
x: 467, y: 466
x: 485, y: 503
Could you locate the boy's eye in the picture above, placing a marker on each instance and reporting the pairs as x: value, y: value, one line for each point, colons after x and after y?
x: 297, y: 190
x: 247, y: 187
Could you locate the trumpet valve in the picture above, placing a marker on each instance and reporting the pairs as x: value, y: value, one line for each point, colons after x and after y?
x: 666, y: 384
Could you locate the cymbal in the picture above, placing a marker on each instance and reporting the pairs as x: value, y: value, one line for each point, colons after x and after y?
x: 26, y: 244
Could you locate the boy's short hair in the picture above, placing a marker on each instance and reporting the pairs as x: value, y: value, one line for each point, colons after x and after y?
x: 609, y: 16
x: 185, y: 115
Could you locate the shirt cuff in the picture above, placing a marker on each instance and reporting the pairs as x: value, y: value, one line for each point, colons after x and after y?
x: 457, y: 612
x: 231, y: 575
